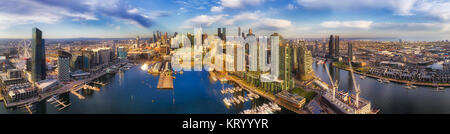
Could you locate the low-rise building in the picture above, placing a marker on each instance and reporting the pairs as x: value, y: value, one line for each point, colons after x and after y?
x: 47, y: 84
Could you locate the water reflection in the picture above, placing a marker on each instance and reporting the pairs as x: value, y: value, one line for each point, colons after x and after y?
x: 391, y: 98
x: 135, y: 92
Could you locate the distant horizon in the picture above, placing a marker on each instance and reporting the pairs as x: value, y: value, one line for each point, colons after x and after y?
x: 320, y: 39
x: 413, y: 20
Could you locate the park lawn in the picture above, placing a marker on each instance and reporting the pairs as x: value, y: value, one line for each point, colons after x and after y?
x: 308, y: 95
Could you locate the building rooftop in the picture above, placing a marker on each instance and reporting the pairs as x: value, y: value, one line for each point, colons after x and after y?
x: 45, y: 83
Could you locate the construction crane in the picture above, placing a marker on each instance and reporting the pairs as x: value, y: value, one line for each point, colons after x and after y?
x: 334, y: 85
x: 357, y: 87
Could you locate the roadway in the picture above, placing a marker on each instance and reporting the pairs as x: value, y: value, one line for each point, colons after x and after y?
x: 71, y: 87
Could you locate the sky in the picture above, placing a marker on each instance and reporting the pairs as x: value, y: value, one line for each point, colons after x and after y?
x: 403, y: 19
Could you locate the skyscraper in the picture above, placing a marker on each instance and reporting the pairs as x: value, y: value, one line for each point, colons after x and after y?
x: 253, y: 53
x: 285, y: 66
x: 38, y: 67
x: 250, y: 32
x: 336, y: 46
x: 121, y: 52
x: 239, y: 32
x: 63, y: 68
x: 331, y: 47
x: 350, y: 51
x: 219, y: 33
x: 88, y: 59
x: 305, y: 61
x: 224, y: 34
x: 275, y: 57
x: 137, y: 41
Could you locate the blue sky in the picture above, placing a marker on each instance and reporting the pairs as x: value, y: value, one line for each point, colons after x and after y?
x: 406, y: 19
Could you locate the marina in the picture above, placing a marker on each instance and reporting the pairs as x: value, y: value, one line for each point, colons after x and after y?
x: 266, y: 108
x: 135, y: 91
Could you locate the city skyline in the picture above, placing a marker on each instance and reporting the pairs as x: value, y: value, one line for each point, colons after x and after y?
x: 405, y: 19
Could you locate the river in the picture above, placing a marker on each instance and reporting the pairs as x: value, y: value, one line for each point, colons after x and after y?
x: 391, y: 98
x: 134, y: 92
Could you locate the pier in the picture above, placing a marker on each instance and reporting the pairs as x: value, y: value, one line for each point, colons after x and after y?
x: 86, y: 86
x: 165, y: 81
x: 98, y: 83
x: 59, y: 103
x: 81, y: 97
x: 28, y: 107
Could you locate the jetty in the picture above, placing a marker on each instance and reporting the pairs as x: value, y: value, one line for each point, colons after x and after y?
x: 165, y: 81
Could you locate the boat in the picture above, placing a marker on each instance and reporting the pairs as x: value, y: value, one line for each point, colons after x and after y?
x: 409, y: 87
x: 227, y: 102
x: 110, y: 71
x: 380, y: 80
x: 223, y: 79
x: 52, y: 99
x: 440, y: 89
x: 387, y: 81
x: 362, y: 77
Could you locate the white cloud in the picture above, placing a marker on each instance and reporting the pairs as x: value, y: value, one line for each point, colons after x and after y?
x: 239, y: 3
x: 436, y: 9
x: 133, y: 11
x: 272, y: 24
x: 290, y: 6
x: 243, y: 16
x: 203, y: 20
x: 431, y: 8
x: 436, y: 27
x: 117, y: 27
x: 16, y: 12
x: 216, y: 9
x: 377, y: 27
x: 360, y: 24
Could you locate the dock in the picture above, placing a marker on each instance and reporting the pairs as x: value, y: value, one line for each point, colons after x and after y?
x: 28, y: 107
x: 98, y: 83
x: 86, y: 86
x: 73, y: 87
x: 165, y: 81
x: 61, y: 104
x: 81, y: 97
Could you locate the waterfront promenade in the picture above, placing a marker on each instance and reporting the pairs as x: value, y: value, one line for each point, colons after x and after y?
x: 265, y: 95
x: 400, y: 81
x: 71, y: 87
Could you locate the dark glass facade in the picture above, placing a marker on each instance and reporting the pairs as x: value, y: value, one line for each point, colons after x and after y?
x: 38, y: 66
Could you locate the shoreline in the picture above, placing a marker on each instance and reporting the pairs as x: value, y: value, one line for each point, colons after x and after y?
x: 397, y: 81
x: 265, y: 95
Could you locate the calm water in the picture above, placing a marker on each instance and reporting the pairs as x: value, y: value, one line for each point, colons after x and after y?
x: 135, y: 92
x: 391, y: 98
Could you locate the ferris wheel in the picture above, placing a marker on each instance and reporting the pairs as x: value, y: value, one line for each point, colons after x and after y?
x: 24, y: 52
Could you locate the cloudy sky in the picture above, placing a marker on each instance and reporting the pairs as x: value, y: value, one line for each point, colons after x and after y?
x: 406, y: 19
